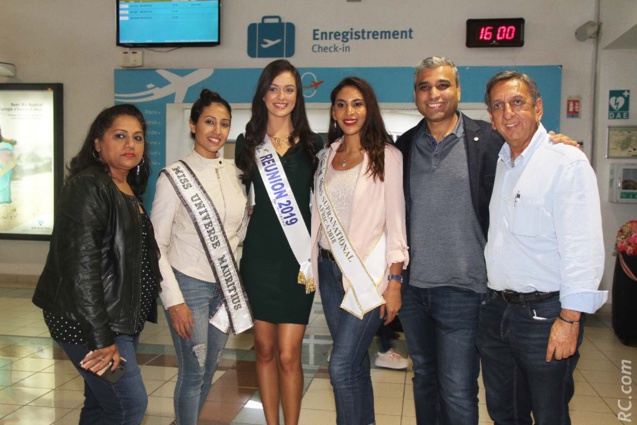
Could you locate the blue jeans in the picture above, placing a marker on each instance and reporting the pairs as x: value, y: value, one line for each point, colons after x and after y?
x: 349, y: 362
x: 512, y: 340
x: 385, y: 334
x: 123, y: 402
x: 198, y: 356
x: 440, y: 326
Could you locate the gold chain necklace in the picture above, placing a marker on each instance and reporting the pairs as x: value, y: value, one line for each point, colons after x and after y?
x: 278, y: 142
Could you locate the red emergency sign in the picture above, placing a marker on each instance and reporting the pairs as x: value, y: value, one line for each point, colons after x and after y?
x: 572, y: 108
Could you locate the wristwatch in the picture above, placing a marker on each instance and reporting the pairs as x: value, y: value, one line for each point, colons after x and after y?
x: 397, y: 277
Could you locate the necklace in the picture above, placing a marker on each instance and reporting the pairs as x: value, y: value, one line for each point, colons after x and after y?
x: 344, y: 163
x: 280, y: 141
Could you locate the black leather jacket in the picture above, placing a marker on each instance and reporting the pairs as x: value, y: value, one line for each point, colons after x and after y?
x: 93, y: 271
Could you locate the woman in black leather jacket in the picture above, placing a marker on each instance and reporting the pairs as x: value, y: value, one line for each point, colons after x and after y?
x: 100, y: 282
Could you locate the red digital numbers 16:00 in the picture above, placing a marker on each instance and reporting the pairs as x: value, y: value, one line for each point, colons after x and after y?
x: 501, y: 33
x: 497, y: 32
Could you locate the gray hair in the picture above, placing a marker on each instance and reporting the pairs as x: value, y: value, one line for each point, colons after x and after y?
x: 434, y: 62
x: 511, y: 75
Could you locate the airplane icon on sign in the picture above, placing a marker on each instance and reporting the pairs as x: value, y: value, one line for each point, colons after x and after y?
x: 269, y: 43
x: 310, y: 84
x: 314, y: 85
x: 178, y: 85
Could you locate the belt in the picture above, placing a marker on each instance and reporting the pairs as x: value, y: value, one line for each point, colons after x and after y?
x: 326, y: 254
x: 513, y: 297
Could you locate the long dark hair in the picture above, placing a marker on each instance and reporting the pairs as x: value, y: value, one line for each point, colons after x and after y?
x: 87, y: 156
x: 206, y: 98
x: 373, y: 134
x: 258, y: 124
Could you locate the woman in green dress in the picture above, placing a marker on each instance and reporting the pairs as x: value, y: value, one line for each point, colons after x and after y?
x: 269, y: 268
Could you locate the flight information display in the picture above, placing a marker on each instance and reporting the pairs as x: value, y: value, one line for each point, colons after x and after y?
x: 168, y: 23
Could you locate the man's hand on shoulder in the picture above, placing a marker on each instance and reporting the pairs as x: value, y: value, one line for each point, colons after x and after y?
x: 563, y: 138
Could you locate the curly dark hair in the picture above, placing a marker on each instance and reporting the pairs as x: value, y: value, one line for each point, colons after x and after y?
x: 373, y: 134
x: 206, y: 98
x: 257, y: 126
x: 87, y: 156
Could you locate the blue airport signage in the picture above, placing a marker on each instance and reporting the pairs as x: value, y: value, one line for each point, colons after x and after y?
x: 271, y: 38
x: 151, y: 90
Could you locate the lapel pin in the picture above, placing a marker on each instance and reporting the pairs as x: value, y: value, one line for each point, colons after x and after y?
x: 475, y: 139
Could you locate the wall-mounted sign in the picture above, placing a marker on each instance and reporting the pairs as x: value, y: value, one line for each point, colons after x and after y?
x: 271, y: 38
x: 154, y: 90
x: 622, y: 142
x: 573, y: 106
x: 618, y: 104
x: 31, y: 163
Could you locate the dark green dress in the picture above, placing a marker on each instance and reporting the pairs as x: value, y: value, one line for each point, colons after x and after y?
x: 268, y: 267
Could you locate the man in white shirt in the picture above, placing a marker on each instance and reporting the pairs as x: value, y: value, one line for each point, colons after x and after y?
x: 544, y: 257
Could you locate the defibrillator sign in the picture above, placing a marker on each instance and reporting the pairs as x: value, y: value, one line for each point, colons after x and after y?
x: 618, y: 104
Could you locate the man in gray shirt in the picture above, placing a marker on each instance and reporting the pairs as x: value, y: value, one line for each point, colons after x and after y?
x: 449, y: 166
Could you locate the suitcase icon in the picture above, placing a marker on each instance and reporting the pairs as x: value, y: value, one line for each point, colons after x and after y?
x: 271, y: 38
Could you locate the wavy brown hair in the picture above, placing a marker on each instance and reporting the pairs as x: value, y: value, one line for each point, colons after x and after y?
x: 258, y: 124
x: 373, y: 134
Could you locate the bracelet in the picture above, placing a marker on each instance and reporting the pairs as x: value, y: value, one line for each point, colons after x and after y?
x: 572, y: 322
x: 397, y: 277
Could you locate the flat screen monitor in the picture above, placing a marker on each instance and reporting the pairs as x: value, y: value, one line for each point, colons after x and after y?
x: 31, y: 158
x: 168, y: 23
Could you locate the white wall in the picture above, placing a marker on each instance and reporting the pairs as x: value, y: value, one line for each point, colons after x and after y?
x: 73, y: 42
x: 616, y: 71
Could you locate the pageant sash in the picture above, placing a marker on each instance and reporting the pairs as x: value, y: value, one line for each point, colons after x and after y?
x: 287, y: 210
x: 362, y: 294
x: 234, y: 313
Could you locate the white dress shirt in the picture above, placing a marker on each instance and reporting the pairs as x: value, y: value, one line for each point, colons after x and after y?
x: 545, y: 229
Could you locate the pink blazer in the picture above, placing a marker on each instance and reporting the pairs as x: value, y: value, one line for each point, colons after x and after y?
x: 377, y: 206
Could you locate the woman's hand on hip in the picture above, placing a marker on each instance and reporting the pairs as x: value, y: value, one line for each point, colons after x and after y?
x: 393, y: 302
x: 181, y: 319
x: 97, y: 360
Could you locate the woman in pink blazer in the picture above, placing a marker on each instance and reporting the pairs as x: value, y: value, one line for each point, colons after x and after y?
x: 358, y: 239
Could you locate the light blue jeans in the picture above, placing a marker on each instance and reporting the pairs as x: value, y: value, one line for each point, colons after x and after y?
x: 121, y: 403
x: 198, y: 356
x: 349, y: 361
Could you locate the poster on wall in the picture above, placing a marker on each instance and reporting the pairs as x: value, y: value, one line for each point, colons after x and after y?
x: 622, y: 142
x: 30, y: 158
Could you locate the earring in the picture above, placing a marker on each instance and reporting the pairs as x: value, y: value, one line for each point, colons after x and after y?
x: 97, y: 156
x: 140, y: 165
x: 335, y: 125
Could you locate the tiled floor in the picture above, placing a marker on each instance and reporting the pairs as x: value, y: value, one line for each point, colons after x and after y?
x: 39, y: 386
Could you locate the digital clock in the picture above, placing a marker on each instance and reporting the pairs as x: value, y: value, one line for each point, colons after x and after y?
x: 500, y: 32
